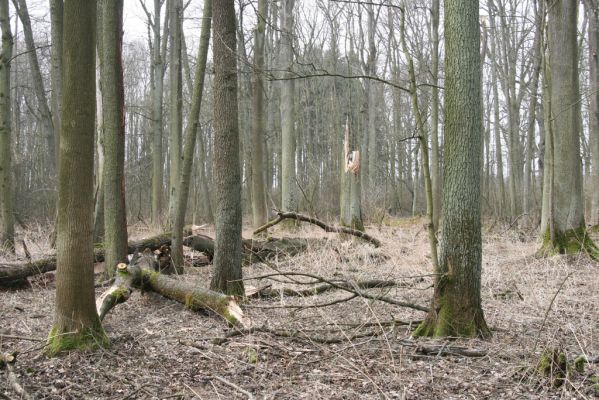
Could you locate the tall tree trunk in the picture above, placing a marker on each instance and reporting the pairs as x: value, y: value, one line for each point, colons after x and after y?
x: 528, y: 186
x: 38, y: 85
x: 227, y: 172
x: 371, y: 88
x: 157, y: 89
x: 57, y: 27
x: 176, y: 102
x: 496, y: 119
x: 435, y: 176
x: 113, y: 109
x: 289, y: 200
x: 564, y: 227
x: 76, y: 323
x: 191, y: 132
x: 592, y: 10
x: 259, y: 212
x: 351, y: 187
x: 7, y: 229
x: 456, y: 307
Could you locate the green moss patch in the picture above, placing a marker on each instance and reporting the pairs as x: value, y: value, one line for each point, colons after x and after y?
x: 84, y: 339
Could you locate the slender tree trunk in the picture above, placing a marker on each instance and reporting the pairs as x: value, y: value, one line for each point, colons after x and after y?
x: 38, y: 85
x: 372, y: 159
x: 176, y: 102
x: 435, y: 176
x: 7, y: 229
x: 190, y: 137
x: 289, y: 199
x: 423, y: 138
x: 227, y: 172
x: 76, y: 323
x: 157, y: 89
x: 351, y: 187
x: 259, y: 212
x: 57, y: 26
x: 496, y: 121
x: 528, y: 187
x: 456, y: 307
x: 113, y: 109
x: 592, y: 10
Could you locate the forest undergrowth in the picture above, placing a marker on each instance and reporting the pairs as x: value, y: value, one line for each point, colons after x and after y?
x: 333, y: 345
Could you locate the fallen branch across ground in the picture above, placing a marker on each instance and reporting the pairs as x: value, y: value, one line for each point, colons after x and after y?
x: 141, y: 274
x: 328, y: 228
x: 319, y: 279
x: 287, y: 292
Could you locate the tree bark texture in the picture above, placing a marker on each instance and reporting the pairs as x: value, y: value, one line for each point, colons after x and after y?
x: 227, y: 172
x: 289, y: 200
x: 7, y: 228
x: 259, y: 211
x: 456, y: 307
x: 564, y: 228
x: 592, y: 9
x: 191, y: 132
x: 113, y: 104
x: 76, y: 323
x: 157, y: 95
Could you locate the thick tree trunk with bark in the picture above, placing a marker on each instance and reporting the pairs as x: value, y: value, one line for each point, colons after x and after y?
x: 227, y: 172
x: 351, y: 185
x: 57, y: 27
x: 456, y: 307
x: 7, y: 229
x: 76, y: 323
x: 564, y: 229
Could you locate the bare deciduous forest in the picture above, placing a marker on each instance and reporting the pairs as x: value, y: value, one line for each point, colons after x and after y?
x: 281, y: 199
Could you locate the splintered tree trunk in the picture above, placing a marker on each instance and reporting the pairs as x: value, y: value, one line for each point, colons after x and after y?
x: 564, y: 228
x: 76, y: 323
x: 456, y: 307
x: 351, y: 188
x: 288, y: 136
x: 227, y: 173
x: 258, y: 187
x: 190, y: 137
x: 7, y: 229
x: 113, y: 103
x: 592, y: 9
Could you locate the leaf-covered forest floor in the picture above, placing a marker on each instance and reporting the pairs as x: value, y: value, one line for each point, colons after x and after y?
x: 159, y: 350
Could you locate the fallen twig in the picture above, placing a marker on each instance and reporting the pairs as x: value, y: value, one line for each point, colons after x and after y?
x: 282, y: 215
x: 7, y: 361
x: 234, y: 386
x: 287, y: 292
x: 16, y: 337
x: 351, y: 290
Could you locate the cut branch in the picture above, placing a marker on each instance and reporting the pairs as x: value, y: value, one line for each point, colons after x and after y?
x: 282, y: 215
x: 142, y: 274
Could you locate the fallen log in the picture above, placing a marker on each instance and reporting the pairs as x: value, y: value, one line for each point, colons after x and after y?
x: 282, y: 215
x: 15, y: 274
x: 142, y: 274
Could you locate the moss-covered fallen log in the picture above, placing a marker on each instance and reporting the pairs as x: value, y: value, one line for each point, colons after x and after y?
x: 142, y: 274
